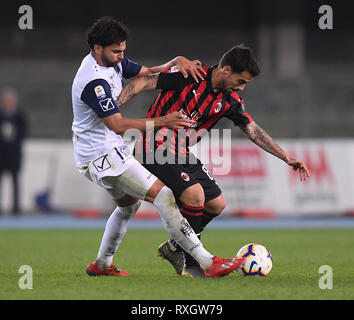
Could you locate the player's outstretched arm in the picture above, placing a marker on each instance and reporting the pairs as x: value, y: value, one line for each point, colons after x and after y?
x: 256, y: 134
x: 139, y: 84
x: 119, y: 125
x: 185, y: 66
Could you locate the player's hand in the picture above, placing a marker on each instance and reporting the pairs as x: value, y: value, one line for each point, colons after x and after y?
x: 194, y: 67
x: 176, y: 120
x: 299, y: 165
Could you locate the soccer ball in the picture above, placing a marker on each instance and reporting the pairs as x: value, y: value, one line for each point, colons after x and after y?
x: 259, y: 260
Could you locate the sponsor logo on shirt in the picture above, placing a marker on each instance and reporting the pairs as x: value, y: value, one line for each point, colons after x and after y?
x: 173, y: 69
x: 195, y: 116
x: 196, y: 94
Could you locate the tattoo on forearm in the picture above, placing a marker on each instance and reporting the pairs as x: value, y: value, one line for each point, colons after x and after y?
x: 133, y: 88
x: 263, y: 140
x: 151, y: 79
x: 127, y: 93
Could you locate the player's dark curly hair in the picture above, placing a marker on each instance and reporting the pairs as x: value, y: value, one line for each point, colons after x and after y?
x: 240, y: 58
x: 106, y: 31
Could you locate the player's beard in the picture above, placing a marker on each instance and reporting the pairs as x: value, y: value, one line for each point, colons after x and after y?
x: 108, y: 63
x: 225, y: 88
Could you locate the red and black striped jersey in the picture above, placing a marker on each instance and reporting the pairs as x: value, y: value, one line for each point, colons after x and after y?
x: 198, y: 102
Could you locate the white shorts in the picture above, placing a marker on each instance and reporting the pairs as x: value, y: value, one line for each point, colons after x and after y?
x: 120, y: 174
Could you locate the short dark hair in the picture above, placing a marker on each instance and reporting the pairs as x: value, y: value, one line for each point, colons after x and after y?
x: 107, y: 31
x: 240, y: 58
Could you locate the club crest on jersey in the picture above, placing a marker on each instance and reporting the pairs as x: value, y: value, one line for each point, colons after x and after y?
x: 100, y: 93
x: 185, y: 176
x: 218, y: 107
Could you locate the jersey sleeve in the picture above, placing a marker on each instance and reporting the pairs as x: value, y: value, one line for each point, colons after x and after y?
x: 173, y: 81
x: 97, y: 95
x: 237, y: 113
x: 129, y: 68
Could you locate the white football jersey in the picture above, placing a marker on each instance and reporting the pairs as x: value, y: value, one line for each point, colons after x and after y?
x: 94, y: 91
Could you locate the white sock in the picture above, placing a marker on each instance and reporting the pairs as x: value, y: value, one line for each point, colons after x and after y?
x: 179, y: 229
x: 115, y: 230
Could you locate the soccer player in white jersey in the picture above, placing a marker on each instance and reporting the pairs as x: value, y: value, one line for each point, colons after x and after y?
x: 102, y: 157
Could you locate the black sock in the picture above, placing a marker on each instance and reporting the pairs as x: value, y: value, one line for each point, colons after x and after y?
x: 205, y: 219
x: 193, y: 216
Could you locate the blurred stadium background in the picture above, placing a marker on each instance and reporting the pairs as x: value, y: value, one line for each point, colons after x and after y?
x: 303, y: 98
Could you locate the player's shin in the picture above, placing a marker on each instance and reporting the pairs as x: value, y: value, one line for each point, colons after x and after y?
x: 115, y: 230
x: 193, y: 214
x: 179, y: 229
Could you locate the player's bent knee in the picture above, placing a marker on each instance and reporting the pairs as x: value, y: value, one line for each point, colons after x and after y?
x: 193, y: 196
x: 168, y: 209
x: 216, y: 206
x: 126, y: 201
x: 154, y: 191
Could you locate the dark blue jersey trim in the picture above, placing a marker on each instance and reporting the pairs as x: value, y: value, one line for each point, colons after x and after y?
x: 130, y: 68
x: 97, y: 95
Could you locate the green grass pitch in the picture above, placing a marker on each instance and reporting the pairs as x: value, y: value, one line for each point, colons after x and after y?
x: 59, y: 258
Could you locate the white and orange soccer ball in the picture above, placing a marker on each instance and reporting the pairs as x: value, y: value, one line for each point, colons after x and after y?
x: 259, y: 260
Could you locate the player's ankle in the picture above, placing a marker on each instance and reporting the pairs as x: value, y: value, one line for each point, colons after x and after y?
x: 205, y: 262
x: 189, y: 261
x: 103, y: 264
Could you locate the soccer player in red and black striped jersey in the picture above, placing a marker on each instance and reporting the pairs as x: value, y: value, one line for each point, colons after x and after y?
x: 206, y: 102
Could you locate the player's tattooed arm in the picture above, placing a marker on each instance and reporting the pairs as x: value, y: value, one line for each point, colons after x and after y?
x: 261, y: 138
x: 139, y: 84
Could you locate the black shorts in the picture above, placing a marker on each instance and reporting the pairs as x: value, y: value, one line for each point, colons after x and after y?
x: 178, y: 177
